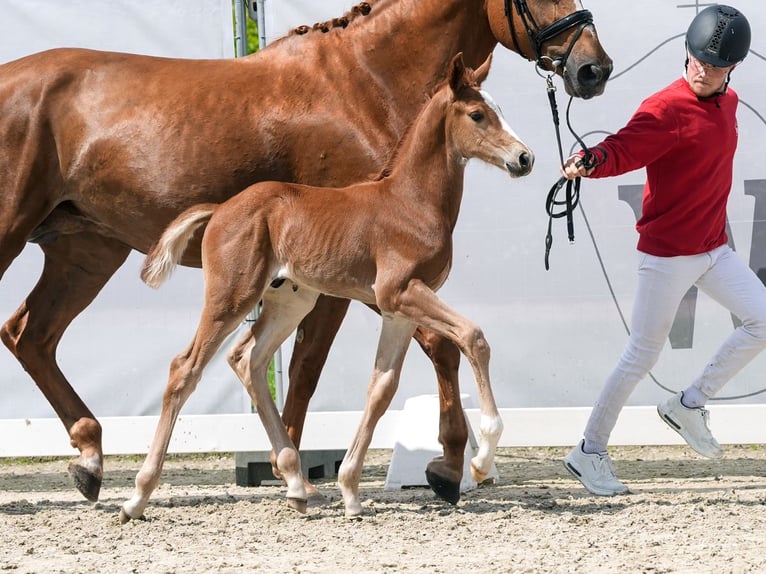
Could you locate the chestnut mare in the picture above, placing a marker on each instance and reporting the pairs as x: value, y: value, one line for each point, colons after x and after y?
x: 386, y: 243
x: 92, y: 168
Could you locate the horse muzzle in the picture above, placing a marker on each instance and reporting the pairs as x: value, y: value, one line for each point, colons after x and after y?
x: 521, y: 163
x: 588, y: 80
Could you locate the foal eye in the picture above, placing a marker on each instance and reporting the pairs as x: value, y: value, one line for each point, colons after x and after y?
x: 476, y: 116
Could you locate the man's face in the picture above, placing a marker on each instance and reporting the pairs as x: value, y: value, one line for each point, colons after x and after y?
x: 706, y: 79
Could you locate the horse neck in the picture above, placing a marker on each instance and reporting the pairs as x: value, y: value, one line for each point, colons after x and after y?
x: 405, y: 45
x: 441, y: 29
x: 426, y: 170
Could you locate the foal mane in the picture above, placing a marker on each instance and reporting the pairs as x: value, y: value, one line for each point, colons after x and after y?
x: 361, y: 9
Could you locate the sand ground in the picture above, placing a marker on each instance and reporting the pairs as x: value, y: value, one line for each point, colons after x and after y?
x: 684, y: 514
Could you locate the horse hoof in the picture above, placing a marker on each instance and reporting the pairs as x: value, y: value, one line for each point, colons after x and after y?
x: 124, y: 516
x: 299, y: 504
x: 478, y: 475
x: 444, y: 488
x: 86, y: 482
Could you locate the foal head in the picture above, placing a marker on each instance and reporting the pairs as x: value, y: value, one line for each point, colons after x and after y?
x: 475, y: 125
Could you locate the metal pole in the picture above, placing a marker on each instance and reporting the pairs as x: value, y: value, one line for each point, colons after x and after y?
x: 240, y: 28
x: 241, y: 12
x: 261, y: 21
x: 279, y: 387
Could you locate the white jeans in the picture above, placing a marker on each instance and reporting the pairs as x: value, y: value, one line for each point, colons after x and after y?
x: 662, y: 283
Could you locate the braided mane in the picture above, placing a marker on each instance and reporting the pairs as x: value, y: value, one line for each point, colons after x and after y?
x: 361, y: 9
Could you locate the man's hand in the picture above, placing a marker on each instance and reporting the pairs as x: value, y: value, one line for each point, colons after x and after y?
x: 574, y: 167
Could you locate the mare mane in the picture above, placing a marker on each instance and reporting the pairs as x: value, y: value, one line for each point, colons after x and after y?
x: 361, y: 9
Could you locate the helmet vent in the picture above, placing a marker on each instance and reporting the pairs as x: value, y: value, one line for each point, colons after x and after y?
x: 714, y: 46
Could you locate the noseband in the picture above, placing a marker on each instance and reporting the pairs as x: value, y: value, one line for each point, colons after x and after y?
x: 538, y: 37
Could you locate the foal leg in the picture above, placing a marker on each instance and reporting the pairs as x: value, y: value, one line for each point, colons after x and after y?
x: 394, y: 341
x: 219, y: 319
x: 283, y: 308
x: 421, y: 305
x: 313, y: 339
x: 76, y: 268
x: 239, y: 360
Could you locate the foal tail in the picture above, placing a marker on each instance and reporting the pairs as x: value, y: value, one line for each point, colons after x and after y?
x: 166, y: 253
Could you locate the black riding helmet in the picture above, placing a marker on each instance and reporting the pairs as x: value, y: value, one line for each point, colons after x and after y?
x: 719, y: 35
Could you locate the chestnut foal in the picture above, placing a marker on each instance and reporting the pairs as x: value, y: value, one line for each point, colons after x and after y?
x: 386, y: 243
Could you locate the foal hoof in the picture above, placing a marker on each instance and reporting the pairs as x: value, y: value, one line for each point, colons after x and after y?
x: 124, y: 516
x: 299, y: 504
x: 443, y: 487
x: 478, y: 475
x: 86, y: 481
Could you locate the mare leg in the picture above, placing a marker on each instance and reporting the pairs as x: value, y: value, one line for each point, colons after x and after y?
x: 283, y: 309
x: 420, y: 304
x: 445, y: 473
x: 76, y: 268
x: 394, y: 341
x: 313, y: 339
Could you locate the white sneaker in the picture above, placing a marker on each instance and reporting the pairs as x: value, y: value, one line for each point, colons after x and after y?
x: 594, y: 471
x: 692, y: 424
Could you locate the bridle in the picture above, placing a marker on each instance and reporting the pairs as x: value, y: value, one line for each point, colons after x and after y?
x: 537, y: 36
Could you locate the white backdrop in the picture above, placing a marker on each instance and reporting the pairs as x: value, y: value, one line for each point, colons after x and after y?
x: 116, y: 353
x: 554, y: 334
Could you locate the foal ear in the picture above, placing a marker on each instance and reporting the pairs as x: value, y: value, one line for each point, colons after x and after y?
x: 457, y: 73
x: 481, y: 73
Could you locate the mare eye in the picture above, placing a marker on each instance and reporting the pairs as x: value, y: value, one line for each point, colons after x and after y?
x: 476, y: 116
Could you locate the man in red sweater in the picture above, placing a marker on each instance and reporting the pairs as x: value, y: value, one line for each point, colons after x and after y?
x: 685, y: 136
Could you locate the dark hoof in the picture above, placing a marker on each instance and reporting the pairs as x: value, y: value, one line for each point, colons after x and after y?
x: 444, y: 488
x: 86, y: 482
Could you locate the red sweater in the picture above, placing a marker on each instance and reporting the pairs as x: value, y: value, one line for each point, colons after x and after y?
x: 687, y: 146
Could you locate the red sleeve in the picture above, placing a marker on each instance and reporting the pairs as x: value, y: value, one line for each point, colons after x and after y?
x: 651, y: 131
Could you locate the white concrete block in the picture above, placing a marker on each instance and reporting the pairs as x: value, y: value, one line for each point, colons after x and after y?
x: 417, y: 442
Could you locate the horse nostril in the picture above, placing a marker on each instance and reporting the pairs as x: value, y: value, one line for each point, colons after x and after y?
x: 589, y: 75
x: 593, y: 74
x: 525, y: 161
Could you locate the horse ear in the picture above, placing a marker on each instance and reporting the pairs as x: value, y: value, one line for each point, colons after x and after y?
x: 457, y: 73
x: 482, y: 71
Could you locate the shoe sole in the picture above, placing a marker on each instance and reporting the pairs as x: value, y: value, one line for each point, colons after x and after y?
x: 574, y: 472
x: 679, y: 429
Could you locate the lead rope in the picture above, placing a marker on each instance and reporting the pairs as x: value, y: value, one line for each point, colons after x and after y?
x: 572, y: 190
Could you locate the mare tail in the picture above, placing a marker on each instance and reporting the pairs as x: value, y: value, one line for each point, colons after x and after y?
x: 167, y: 252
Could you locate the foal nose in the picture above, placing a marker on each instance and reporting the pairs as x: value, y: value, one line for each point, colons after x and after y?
x: 526, y: 160
x: 521, y: 164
